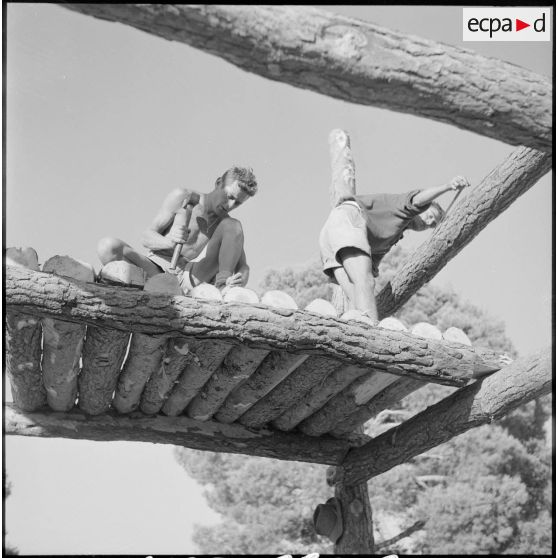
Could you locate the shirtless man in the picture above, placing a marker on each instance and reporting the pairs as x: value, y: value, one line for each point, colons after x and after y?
x: 360, y: 232
x: 224, y: 263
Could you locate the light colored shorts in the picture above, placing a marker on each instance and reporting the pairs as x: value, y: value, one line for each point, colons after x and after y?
x: 184, y: 274
x: 345, y: 228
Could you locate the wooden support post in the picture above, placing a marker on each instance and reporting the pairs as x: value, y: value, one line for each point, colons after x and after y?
x: 104, y: 349
x: 23, y: 343
x: 63, y: 341
x: 358, y: 536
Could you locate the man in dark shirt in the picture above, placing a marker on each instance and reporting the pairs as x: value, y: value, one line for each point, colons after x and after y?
x: 360, y: 232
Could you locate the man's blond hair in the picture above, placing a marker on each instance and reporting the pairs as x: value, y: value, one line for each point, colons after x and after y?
x: 245, y: 176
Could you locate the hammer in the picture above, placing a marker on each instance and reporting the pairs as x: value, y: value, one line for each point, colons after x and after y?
x: 182, y: 217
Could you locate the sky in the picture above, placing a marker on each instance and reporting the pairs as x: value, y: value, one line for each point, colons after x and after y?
x: 103, y: 120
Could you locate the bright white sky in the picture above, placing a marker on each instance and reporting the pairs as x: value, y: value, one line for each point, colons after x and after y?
x: 103, y: 120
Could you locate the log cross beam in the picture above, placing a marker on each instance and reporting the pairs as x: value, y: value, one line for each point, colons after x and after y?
x: 479, y: 403
x: 257, y: 326
x: 359, y: 62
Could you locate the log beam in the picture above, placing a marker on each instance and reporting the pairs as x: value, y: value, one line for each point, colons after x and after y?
x: 477, y: 404
x: 496, y: 192
x: 179, y: 431
x: 359, y: 62
x: 257, y: 327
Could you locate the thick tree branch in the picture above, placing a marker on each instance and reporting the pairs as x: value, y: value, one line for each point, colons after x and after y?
x: 480, y: 403
x: 469, y: 217
x: 359, y: 62
x: 256, y: 326
x: 180, y: 431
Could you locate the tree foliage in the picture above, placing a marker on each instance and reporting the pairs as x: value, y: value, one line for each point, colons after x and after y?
x: 486, y: 491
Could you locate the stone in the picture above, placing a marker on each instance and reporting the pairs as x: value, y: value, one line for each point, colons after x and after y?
x: 164, y: 283
x: 122, y: 273
x: 279, y: 299
x: 22, y: 257
x: 240, y: 294
x: 66, y: 266
x: 392, y: 323
x: 456, y: 335
x: 321, y: 306
x: 206, y: 291
x: 426, y: 330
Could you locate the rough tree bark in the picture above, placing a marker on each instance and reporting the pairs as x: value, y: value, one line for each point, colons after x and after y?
x: 207, y: 356
x: 180, y: 431
x: 479, y: 403
x: 23, y: 344
x: 339, y: 407
x: 63, y: 341
x: 468, y: 218
x: 256, y: 327
x: 311, y: 373
x: 359, y: 62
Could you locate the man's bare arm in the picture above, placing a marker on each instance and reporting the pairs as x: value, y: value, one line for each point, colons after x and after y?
x: 424, y: 197
x: 152, y: 238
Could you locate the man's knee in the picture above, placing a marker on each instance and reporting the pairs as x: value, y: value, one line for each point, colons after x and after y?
x: 110, y: 249
x: 231, y: 227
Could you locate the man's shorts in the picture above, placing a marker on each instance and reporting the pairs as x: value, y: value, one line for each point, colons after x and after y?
x: 183, y: 274
x: 345, y: 228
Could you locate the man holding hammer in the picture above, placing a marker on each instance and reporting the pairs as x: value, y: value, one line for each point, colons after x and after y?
x: 361, y: 229
x: 188, y: 222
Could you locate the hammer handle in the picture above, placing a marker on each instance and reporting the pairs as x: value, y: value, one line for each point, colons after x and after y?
x: 184, y: 216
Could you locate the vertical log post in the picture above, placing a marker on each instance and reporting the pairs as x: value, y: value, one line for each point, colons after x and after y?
x: 342, y: 188
x: 104, y: 349
x: 23, y: 344
x: 357, y: 537
x: 63, y: 341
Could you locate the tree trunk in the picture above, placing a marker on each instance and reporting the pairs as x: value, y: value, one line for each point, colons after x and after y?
x: 358, y: 62
x: 358, y: 536
x: 256, y: 327
x: 178, y: 431
x: 469, y: 217
x: 480, y: 403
